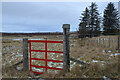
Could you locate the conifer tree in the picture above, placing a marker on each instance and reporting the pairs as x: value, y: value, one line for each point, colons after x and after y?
x: 84, y: 23
x: 94, y: 24
x: 110, y: 19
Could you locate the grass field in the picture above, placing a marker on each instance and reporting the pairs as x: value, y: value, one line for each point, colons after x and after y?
x: 103, y: 60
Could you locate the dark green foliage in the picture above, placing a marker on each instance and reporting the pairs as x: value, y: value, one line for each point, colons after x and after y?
x: 110, y: 20
x: 90, y: 22
x: 94, y: 19
x: 84, y: 23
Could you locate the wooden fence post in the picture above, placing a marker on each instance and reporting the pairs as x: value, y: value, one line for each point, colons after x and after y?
x: 109, y: 42
x: 25, y: 54
x: 112, y: 42
x: 66, y: 47
x: 106, y: 42
x: 103, y: 43
x: 99, y: 41
x: 118, y: 42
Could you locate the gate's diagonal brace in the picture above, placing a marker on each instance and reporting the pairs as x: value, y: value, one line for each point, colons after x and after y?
x: 14, y: 65
x: 18, y: 63
x: 77, y: 61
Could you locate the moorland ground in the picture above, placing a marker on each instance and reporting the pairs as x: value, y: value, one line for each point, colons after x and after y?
x: 103, y: 60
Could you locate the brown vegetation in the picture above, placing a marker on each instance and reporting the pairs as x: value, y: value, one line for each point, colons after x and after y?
x: 101, y: 61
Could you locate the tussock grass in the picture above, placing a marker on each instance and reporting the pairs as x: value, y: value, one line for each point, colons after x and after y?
x: 101, y: 63
x: 12, y: 72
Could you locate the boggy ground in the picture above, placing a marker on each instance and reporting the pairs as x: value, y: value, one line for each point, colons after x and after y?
x: 103, y: 61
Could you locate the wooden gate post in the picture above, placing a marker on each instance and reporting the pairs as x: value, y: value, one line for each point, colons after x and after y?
x: 66, y: 47
x: 25, y: 54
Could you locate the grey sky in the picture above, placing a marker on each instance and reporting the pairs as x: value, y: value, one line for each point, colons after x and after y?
x: 43, y: 16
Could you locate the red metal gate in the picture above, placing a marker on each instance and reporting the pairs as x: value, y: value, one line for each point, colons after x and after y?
x: 46, y: 51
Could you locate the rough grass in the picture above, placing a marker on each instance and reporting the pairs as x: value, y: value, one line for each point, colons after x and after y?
x: 12, y: 72
x: 86, y: 50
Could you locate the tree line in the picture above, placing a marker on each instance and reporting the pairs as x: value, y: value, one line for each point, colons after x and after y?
x: 91, y: 22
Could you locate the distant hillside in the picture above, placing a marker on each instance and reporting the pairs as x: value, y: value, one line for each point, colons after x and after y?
x: 33, y: 34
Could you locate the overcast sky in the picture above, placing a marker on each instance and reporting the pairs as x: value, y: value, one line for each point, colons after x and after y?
x: 43, y: 16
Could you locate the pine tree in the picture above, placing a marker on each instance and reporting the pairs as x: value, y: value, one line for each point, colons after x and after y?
x: 110, y: 20
x: 94, y: 24
x: 84, y: 23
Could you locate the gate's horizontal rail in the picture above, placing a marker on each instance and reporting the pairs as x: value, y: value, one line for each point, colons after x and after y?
x: 46, y: 67
x: 47, y: 60
x: 47, y: 51
x: 37, y: 72
x: 45, y: 41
